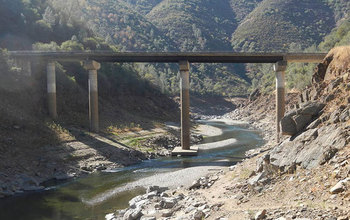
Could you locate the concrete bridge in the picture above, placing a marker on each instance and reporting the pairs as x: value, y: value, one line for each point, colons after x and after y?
x: 92, y: 60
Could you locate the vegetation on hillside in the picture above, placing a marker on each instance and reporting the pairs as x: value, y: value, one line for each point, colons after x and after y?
x: 242, y: 8
x: 195, y: 25
x: 275, y: 24
x: 179, y: 25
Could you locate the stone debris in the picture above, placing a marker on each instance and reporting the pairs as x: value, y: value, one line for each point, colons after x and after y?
x: 340, y: 186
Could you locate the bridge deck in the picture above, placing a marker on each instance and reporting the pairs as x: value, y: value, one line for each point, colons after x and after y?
x: 170, y: 57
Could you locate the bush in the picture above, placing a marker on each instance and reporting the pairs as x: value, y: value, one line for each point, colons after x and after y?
x: 71, y: 45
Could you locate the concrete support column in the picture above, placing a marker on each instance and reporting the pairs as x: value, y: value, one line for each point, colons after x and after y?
x: 92, y: 67
x: 185, y: 104
x: 280, y: 69
x: 51, y: 89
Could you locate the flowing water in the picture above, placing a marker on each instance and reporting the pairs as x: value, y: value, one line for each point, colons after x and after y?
x: 80, y: 198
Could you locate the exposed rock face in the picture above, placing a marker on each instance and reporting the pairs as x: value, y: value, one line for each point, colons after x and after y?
x: 335, y: 64
x: 296, y: 120
x: 311, y: 148
x: 254, y: 95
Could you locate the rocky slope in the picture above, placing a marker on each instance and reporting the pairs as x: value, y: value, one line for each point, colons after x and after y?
x: 306, y: 176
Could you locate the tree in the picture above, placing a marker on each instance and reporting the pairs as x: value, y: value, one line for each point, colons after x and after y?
x: 49, y: 16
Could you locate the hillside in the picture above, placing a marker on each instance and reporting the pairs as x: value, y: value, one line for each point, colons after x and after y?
x: 118, y: 23
x: 242, y: 8
x: 27, y: 134
x: 143, y: 6
x: 203, y: 25
x: 195, y: 25
x: 275, y: 24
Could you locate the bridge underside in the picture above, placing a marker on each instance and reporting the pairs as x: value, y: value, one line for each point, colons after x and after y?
x: 171, y: 57
x: 91, y: 64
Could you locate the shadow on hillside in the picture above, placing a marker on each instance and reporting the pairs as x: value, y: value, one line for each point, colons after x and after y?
x: 109, y: 148
x: 211, y: 105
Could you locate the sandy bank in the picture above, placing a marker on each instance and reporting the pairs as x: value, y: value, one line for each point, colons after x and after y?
x: 184, y: 177
x: 217, y: 144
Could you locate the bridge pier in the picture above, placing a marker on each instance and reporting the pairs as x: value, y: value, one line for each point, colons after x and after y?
x: 185, y: 104
x: 185, y: 149
x: 280, y: 69
x: 51, y: 89
x: 92, y: 67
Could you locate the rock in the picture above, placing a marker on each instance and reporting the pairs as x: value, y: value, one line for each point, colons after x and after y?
x: 254, y: 95
x: 132, y: 214
x: 198, y: 215
x: 260, y: 177
x: 152, y: 189
x: 168, y: 203
x: 260, y: 215
x: 288, y: 125
x: 345, y: 115
x: 310, y: 148
x: 213, y: 178
x: 147, y: 218
x: 335, y: 83
x: 231, y: 168
x: 167, y: 213
x: 201, y: 208
x: 110, y: 216
x: 314, y: 124
x: 339, y: 187
x: 163, y: 194
x: 301, y: 121
x: 329, y: 98
x: 134, y: 200
x: 261, y: 162
x: 141, y: 204
x: 305, y: 96
x: 195, y: 185
x: 327, y: 155
x: 190, y: 209
x: 294, y: 121
x: 151, y: 194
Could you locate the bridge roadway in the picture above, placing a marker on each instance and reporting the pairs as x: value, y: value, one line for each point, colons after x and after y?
x: 91, y: 61
x: 170, y: 57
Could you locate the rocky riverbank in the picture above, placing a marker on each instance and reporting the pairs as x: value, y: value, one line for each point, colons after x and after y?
x: 84, y: 154
x: 305, y: 176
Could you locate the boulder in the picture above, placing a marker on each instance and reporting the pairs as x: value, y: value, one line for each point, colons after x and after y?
x: 195, y: 185
x: 132, y: 214
x: 296, y: 120
x: 110, y: 216
x: 168, y: 202
x: 260, y: 177
x: 339, y: 187
x: 198, y: 215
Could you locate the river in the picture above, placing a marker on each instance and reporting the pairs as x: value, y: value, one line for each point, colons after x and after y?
x: 95, y: 195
